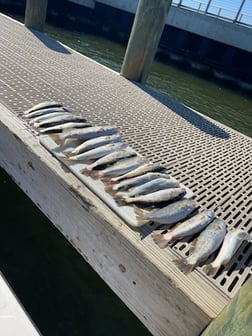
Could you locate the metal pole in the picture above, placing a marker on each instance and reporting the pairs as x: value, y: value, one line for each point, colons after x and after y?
x: 144, y: 39
x: 35, y: 14
x: 208, y: 5
x: 239, y: 11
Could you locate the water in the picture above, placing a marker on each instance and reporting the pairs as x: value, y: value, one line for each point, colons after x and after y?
x: 63, y: 295
x: 231, y: 107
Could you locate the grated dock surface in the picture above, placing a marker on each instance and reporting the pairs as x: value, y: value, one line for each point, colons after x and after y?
x: 211, y: 159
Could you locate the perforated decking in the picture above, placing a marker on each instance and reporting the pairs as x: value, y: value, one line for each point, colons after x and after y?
x: 211, y: 159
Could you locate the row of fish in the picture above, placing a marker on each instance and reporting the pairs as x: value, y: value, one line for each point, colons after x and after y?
x: 132, y: 179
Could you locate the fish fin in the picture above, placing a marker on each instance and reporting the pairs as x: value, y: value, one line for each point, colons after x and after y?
x: 159, y: 239
x: 192, y: 246
x: 184, y: 266
x: 210, y: 269
x: 141, y: 220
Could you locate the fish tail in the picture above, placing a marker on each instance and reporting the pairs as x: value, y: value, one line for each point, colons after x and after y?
x: 87, y: 171
x: 58, y: 140
x: 210, y: 269
x: 141, y: 220
x: 109, y: 189
x: 184, y: 266
x: 120, y: 202
x: 68, y: 159
x: 160, y: 240
x: 95, y: 174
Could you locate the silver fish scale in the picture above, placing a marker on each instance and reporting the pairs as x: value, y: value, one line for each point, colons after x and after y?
x: 209, y: 158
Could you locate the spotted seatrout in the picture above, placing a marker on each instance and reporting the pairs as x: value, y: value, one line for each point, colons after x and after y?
x: 207, y: 242
x: 86, y: 133
x: 169, y: 214
x: 136, y: 181
x: 43, y: 105
x: 96, y: 142
x: 155, y: 197
x: 58, y: 120
x: 147, y: 167
x: 151, y: 186
x: 98, y: 152
x: 232, y: 242
x: 110, y: 158
x: 120, y: 167
x: 189, y: 227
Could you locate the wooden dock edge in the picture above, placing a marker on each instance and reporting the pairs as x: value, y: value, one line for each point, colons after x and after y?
x: 166, y: 301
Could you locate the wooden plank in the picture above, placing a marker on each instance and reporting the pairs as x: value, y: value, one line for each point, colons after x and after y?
x: 236, y: 318
x: 144, y: 39
x: 35, y: 14
x: 146, y: 280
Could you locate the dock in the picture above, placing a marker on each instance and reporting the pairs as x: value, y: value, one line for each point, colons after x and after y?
x: 214, y: 161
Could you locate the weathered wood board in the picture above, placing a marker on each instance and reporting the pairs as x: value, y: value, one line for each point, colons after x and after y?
x: 165, y: 300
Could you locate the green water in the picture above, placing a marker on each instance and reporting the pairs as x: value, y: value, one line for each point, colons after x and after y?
x: 232, y: 107
x: 61, y: 292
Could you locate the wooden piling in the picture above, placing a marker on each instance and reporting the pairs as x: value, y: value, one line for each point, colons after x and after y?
x: 144, y: 39
x: 236, y: 318
x: 35, y: 14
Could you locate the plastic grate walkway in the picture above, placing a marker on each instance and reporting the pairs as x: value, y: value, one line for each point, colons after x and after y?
x: 211, y: 159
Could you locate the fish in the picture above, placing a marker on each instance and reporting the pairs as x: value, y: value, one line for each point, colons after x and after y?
x: 43, y: 105
x: 120, y: 167
x: 206, y: 243
x: 110, y: 158
x: 63, y: 127
x: 189, y: 227
x: 169, y: 214
x: 155, y: 197
x: 147, y: 167
x: 96, y: 142
x: 135, y: 181
x: 231, y: 243
x: 98, y: 152
x: 58, y: 120
x: 152, y: 186
x: 86, y: 134
x: 47, y: 116
x: 49, y: 110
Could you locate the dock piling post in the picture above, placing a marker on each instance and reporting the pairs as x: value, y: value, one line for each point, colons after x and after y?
x: 35, y: 14
x: 236, y: 317
x: 144, y: 38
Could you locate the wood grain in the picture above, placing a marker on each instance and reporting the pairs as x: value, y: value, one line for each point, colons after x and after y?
x: 143, y: 276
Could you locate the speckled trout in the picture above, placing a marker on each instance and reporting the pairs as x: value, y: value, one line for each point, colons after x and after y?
x: 43, y: 105
x: 155, y: 197
x: 96, y: 142
x: 169, y: 214
x: 121, y: 167
x: 232, y: 242
x: 58, y: 120
x: 207, y: 242
x: 87, y: 133
x: 136, y: 181
x: 151, y: 186
x: 189, y: 227
x: 110, y: 158
x: 98, y: 152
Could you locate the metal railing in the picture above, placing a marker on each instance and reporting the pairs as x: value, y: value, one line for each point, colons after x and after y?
x: 237, y: 11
